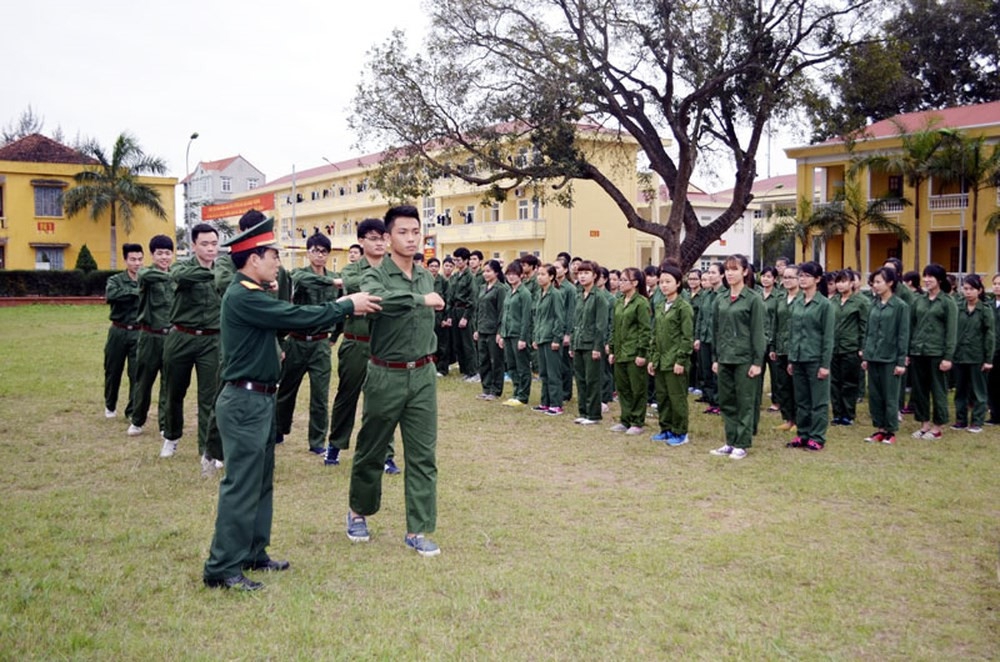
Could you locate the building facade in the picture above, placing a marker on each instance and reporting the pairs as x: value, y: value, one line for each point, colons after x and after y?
x: 212, y: 182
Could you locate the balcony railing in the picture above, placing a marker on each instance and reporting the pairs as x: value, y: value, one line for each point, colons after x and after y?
x: 890, y: 206
x: 489, y: 231
x: 950, y: 201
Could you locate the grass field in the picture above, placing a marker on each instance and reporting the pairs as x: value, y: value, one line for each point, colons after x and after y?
x: 559, y: 542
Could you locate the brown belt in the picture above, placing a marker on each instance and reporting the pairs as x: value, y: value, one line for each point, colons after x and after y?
x: 160, y: 332
x: 256, y: 387
x: 401, y: 365
x: 196, y: 332
x: 126, y: 327
x: 351, y: 336
x: 318, y: 336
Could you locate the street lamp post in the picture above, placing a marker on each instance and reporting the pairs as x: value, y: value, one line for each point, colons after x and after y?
x: 187, y: 183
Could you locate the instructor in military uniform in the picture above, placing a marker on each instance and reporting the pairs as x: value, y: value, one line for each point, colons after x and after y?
x: 250, y: 321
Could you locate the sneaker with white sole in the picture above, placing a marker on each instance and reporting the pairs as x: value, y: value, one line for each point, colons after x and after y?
x: 357, y: 528
x: 677, y: 440
x: 589, y: 421
x: 134, y: 430
x: 422, y: 545
x: 169, y: 447
x: 110, y: 413
x: 579, y: 419
x: 738, y: 454
x: 634, y: 430
x: 974, y: 429
x: 208, y: 466
x: 724, y: 450
x: 618, y: 427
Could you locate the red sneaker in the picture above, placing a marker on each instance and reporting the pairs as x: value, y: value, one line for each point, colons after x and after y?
x: 877, y: 437
x: 797, y: 442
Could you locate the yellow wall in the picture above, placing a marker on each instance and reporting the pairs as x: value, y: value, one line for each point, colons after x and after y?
x: 21, y: 227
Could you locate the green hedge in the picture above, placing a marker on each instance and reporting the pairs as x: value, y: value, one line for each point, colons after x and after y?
x: 70, y: 283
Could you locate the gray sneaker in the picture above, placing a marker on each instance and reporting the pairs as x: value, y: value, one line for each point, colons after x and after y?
x: 723, y: 450
x: 357, y: 528
x: 422, y: 545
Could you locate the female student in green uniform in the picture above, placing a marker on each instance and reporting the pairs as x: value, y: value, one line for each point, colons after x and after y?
x: 738, y: 335
x: 590, y: 331
x: 488, y: 307
x: 933, y: 324
x: 781, y: 310
x: 884, y: 355
x: 696, y: 299
x: 851, y: 321
x: 549, y: 323
x: 770, y: 294
x: 568, y: 291
x: 515, y: 335
x: 810, y: 351
x: 711, y: 283
x: 629, y: 348
x: 670, y: 357
x: 973, y: 355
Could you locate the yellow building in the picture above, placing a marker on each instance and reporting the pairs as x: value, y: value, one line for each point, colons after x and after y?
x: 334, y: 198
x: 945, y: 211
x: 35, y: 233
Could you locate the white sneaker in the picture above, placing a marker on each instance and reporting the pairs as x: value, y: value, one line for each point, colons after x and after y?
x: 634, y: 430
x: 618, y: 427
x: 109, y: 413
x: 134, y: 431
x: 605, y: 408
x: 738, y: 454
x: 169, y: 447
x: 588, y: 421
x: 579, y: 420
x: 724, y: 450
x: 207, y: 466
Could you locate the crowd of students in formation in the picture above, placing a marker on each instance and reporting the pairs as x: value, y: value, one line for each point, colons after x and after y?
x: 647, y: 337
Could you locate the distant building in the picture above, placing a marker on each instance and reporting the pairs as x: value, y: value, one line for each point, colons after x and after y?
x: 35, y: 172
x: 213, y: 182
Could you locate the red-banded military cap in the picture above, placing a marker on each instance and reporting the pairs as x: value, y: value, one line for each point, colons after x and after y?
x: 258, y: 236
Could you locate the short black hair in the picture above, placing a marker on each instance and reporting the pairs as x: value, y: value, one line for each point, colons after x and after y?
x: 476, y: 253
x: 432, y: 261
x: 318, y: 240
x: 131, y: 248
x: 240, y: 259
x: 566, y: 257
x: 202, y: 228
x: 400, y: 211
x: 418, y: 257
x: 358, y: 246
x: 160, y: 242
x: 448, y: 260
x: 251, y: 219
x: 530, y: 260
x: 370, y: 225
x: 461, y: 253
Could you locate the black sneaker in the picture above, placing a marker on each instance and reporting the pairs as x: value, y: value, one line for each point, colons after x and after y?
x: 236, y: 583
x: 332, y: 456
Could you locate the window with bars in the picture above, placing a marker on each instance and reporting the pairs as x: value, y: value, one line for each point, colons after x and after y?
x: 48, y: 201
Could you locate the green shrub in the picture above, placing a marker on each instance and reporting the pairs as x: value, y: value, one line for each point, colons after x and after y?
x: 75, y: 283
x: 85, y: 261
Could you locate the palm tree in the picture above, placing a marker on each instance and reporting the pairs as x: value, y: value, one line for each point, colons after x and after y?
x: 113, y: 186
x: 800, y: 227
x: 976, y: 167
x: 914, y: 162
x: 852, y: 210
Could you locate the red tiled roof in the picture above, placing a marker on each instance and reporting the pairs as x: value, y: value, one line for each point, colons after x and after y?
x: 360, y: 162
x: 219, y: 165
x: 959, y: 117
x: 760, y: 187
x: 36, y: 148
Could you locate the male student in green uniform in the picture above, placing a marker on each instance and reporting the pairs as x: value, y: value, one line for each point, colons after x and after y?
x: 309, y: 352
x: 156, y: 295
x: 250, y: 321
x: 122, y: 294
x: 401, y: 387
x: 461, y: 302
x: 442, y: 324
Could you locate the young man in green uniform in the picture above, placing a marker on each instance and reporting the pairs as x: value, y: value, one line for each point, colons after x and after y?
x: 156, y: 295
x: 401, y: 387
x: 194, y: 342
x: 250, y: 322
x: 461, y: 302
x: 122, y: 294
x: 590, y: 331
x: 569, y: 294
x: 442, y: 322
x: 309, y: 352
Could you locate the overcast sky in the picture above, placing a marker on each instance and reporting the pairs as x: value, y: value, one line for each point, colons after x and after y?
x: 272, y: 81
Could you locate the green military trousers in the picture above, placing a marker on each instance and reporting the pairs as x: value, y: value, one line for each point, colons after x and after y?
x: 121, y: 347
x: 883, y: 395
x: 304, y: 357
x: 812, y: 401
x: 737, y: 399
x: 709, y: 380
x: 928, y: 383
x: 243, y: 521
x: 407, y: 398
x: 550, y: 368
x: 182, y: 353
x: 630, y: 380
x: 845, y: 384
x: 149, y: 363
x: 588, y: 383
x: 970, y: 392
x: 464, y: 348
x: 490, y: 364
x: 671, y: 401
x: 783, y: 390
x: 518, y: 364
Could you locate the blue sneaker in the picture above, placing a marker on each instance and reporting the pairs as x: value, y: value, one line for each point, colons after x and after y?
x: 390, y: 467
x: 357, y: 528
x: 661, y: 436
x: 332, y: 456
x: 677, y: 440
x: 422, y: 545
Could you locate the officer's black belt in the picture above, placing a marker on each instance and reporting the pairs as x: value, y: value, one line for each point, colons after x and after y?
x: 403, y: 365
x: 196, y: 332
x: 126, y: 327
x: 301, y: 336
x: 351, y: 336
x: 256, y: 387
x: 160, y: 332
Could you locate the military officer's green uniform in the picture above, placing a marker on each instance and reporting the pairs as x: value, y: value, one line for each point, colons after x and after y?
x: 975, y: 346
x: 490, y: 357
x: 810, y: 348
x: 630, y: 338
x: 250, y: 321
x: 886, y: 341
x: 400, y: 389
x: 308, y: 352
x: 851, y: 323
x: 590, y: 332
x: 461, y: 301
x: 515, y: 326
x: 156, y: 296
x: 671, y: 344
x: 122, y: 294
x: 933, y: 327
x: 738, y: 343
x: 193, y: 344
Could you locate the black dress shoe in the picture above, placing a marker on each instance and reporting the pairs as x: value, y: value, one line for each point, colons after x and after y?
x: 268, y: 565
x: 236, y: 582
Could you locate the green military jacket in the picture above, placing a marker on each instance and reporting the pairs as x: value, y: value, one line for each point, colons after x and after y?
x: 611, y: 299
x: 738, y: 327
x: 851, y: 323
x: 975, y: 334
x: 156, y: 294
x: 489, y: 307
x: 225, y: 271
x: 403, y: 330
x: 706, y: 312
x: 569, y: 300
x: 357, y: 325
x: 770, y: 303
x: 441, y: 287
x: 534, y: 289
x: 995, y: 309
x: 673, y: 335
x: 515, y: 319
x: 888, y: 334
x: 196, y: 299
x: 631, y: 329
x: 779, y: 322
x: 933, y: 326
x: 312, y: 289
x: 549, y: 320
x: 122, y: 294
x: 810, y: 330
x: 461, y: 295
x: 250, y: 319
x: 590, y: 328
